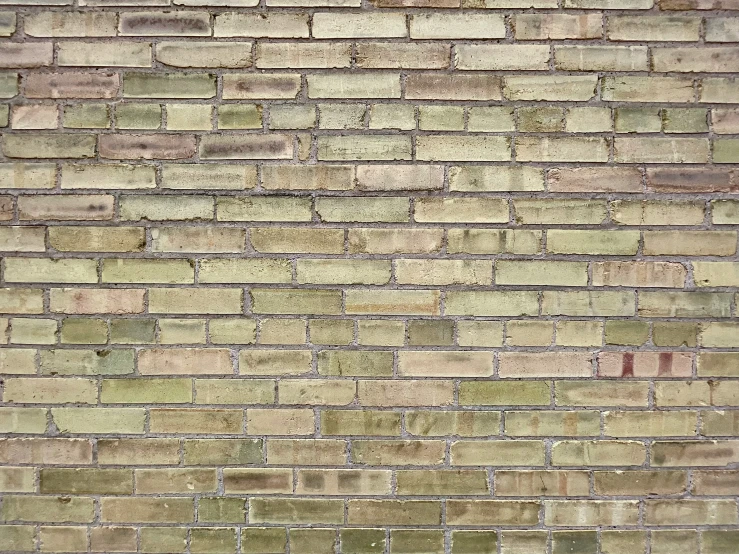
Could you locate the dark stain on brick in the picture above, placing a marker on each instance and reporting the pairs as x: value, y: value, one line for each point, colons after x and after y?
x: 627, y: 365
x: 665, y: 364
x: 163, y: 23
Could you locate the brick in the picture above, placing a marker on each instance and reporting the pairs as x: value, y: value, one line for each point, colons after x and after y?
x: 442, y: 482
x: 542, y: 423
x: 430, y: 86
x: 27, y: 176
x: 179, y: 23
x: 624, y: 424
x: 614, y: 243
x: 34, y: 117
x: 601, y: 58
x: 23, y: 420
x: 49, y: 146
x: 121, y: 391
x: 90, y: 54
x: 368, y: 25
x: 625, y: 212
x: 461, y: 210
x: 721, y: 29
x: 695, y: 512
x: 460, y: 26
x: 557, y: 26
x: 661, y: 28
x: 591, y: 512
x: 46, y: 451
x: 231, y: 55
x: 558, y: 364
x: 300, y: 510
x: 493, y: 241
x: 303, y: 55
x: 274, y: 25
x: 377, y: 55
x: 647, y: 89
x: 394, y: 512
x: 48, y: 509
x: 684, y: 304
x: 338, y: 482
x: 296, y: 301
x: 598, y: 453
x: 21, y: 300
x: 504, y: 393
x: 70, y: 24
x: 543, y: 212
x: 581, y: 393
x: 404, y: 393
x: 444, y: 364
x: 369, y: 147
x: 556, y: 89
x: 32, y: 54
x: 71, y: 85
x: 502, y: 57
x: 446, y: 148
x: 719, y: 90
x: 393, y: 177
x: 688, y: 181
x: 495, y: 178
x: 274, y: 362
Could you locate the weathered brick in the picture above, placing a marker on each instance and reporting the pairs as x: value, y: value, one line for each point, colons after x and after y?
x: 71, y: 85
x: 557, y: 26
x: 176, y: 23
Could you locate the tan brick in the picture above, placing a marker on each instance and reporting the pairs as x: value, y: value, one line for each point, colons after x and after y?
x: 405, y: 393
x: 575, y: 88
x: 431, y: 86
x: 559, y: 364
x: 396, y: 302
x: 276, y: 25
x: 303, y: 55
x: 359, y: 25
x: 557, y: 26
x: 467, y: 26
x: 647, y: 89
x: 598, y: 453
x: 545, y: 423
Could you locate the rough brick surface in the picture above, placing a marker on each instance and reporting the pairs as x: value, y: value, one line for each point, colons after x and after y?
x: 369, y: 276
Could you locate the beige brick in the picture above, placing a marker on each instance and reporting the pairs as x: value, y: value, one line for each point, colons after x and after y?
x: 598, y: 453
x: 405, y: 393
x: 121, y: 54
x: 378, y: 55
x: 647, y: 89
x: 359, y: 25
x: 625, y: 212
x: 601, y: 58
x: 466, y: 26
x: 493, y: 241
x: 303, y: 55
x: 583, y: 393
x: 502, y: 57
x: 557, y: 26
x: 204, y: 54
x: 296, y: 301
x: 654, y: 424
x: 461, y: 210
x: 689, y: 243
x: 445, y: 364
x: 545, y: 423
x: 562, y: 149
x: 70, y: 24
x: 431, y: 86
x: 661, y: 28
x: 556, y: 89
x: 332, y: 272
x: 31, y: 176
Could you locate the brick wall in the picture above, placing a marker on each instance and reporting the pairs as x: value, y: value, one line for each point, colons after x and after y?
x: 369, y: 276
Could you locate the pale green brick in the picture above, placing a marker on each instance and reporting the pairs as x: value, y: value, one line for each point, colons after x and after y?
x: 242, y: 116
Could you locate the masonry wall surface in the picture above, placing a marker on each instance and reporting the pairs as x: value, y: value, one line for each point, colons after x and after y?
x: 369, y: 276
